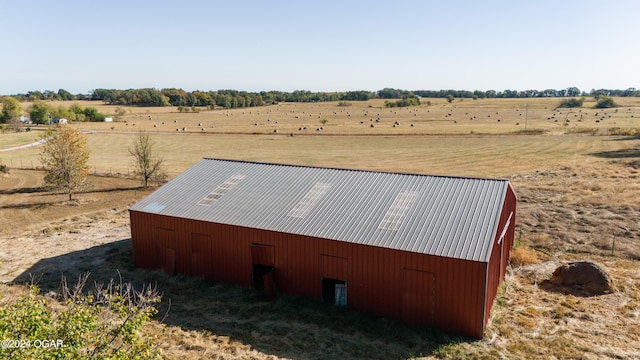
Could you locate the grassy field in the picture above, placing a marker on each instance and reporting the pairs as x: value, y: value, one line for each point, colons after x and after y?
x: 465, y: 155
x: 578, y: 191
x: 463, y: 116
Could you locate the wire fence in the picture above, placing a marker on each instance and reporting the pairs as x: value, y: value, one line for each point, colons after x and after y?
x: 119, y: 172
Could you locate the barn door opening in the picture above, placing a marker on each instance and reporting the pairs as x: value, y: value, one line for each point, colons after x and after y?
x: 258, y: 273
x: 262, y: 269
x: 166, y: 247
x: 418, y: 297
x: 333, y: 272
x: 334, y: 291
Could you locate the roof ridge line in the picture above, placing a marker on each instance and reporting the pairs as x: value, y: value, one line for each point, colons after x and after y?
x: 359, y: 170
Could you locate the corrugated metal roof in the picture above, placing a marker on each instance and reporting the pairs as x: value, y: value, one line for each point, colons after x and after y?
x: 445, y: 216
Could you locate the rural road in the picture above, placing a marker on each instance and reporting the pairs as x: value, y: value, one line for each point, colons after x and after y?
x: 35, y: 143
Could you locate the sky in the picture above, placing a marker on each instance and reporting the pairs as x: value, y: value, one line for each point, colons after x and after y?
x: 318, y: 45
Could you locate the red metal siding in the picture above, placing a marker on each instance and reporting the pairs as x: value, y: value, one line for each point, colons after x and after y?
x: 376, y: 277
x: 497, y: 265
x: 262, y: 254
x: 418, y: 296
x: 333, y: 267
x: 201, y: 256
x: 166, y: 249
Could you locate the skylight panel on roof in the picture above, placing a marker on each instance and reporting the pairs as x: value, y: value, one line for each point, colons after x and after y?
x: 398, y: 210
x: 309, y: 200
x: 222, y: 189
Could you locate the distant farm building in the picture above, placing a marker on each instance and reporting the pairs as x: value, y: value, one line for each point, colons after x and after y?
x: 430, y: 250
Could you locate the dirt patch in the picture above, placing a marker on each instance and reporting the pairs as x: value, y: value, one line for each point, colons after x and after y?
x: 26, y: 203
x: 19, y: 253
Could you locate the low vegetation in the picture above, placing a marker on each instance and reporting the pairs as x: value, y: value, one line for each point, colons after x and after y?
x: 571, y: 103
x: 104, y: 324
x: 41, y: 112
x: 576, y: 181
x: 605, y: 102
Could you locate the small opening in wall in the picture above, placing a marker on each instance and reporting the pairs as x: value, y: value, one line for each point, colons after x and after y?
x: 334, y: 291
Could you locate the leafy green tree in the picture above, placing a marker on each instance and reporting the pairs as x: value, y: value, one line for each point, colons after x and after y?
x: 39, y: 112
x: 449, y: 98
x: 573, y: 91
x: 11, y: 110
x: 77, y: 112
x: 65, y: 95
x: 62, y: 112
x: 75, y: 108
x: 35, y: 95
x: 92, y: 114
x: 148, y: 164
x: 65, y: 155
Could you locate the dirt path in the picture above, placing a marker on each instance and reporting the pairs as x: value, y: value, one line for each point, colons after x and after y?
x: 25, y: 146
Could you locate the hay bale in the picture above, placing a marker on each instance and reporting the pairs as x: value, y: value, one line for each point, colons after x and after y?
x: 582, y: 278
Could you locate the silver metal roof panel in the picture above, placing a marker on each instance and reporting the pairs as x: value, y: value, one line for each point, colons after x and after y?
x: 439, y: 215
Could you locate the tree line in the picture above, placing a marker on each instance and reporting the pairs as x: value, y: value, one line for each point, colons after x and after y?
x: 231, y: 99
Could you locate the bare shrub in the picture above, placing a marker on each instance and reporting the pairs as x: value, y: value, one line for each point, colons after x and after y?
x: 523, y: 256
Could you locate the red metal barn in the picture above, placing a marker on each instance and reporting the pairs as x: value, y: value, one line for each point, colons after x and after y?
x: 430, y: 250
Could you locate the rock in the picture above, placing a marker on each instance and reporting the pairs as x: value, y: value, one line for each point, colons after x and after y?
x: 584, y: 278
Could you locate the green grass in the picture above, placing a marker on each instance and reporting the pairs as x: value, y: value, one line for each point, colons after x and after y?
x: 10, y: 139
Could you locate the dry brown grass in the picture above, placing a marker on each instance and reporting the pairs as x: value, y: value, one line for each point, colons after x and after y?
x: 578, y: 200
x: 523, y: 256
x: 492, y: 116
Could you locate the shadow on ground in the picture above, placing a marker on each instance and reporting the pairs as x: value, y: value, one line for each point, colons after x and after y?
x: 290, y: 327
x: 619, y: 154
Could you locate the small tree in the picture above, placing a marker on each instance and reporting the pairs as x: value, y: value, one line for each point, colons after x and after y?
x: 324, y: 122
x: 119, y: 113
x: 39, y: 112
x: 11, y: 111
x: 64, y: 156
x: 449, y: 98
x: 148, y: 165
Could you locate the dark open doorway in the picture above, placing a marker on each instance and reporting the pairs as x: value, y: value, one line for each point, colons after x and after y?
x: 257, y: 275
x: 334, y: 291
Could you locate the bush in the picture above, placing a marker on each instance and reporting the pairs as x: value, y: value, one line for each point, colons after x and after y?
x: 571, y: 103
x: 103, y: 324
x: 523, y: 256
x: 405, y: 101
x: 605, y: 102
